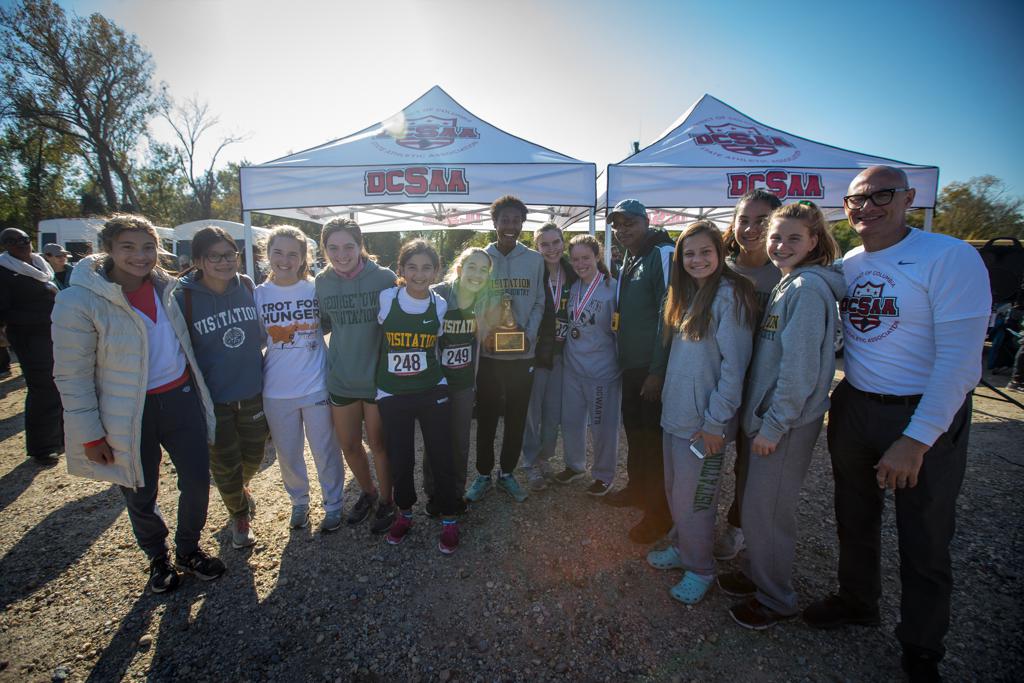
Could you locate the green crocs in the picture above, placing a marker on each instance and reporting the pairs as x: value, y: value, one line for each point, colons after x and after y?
x: 691, y: 589
x: 665, y: 559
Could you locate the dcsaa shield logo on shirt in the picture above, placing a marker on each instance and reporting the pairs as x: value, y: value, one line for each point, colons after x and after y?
x: 867, y: 307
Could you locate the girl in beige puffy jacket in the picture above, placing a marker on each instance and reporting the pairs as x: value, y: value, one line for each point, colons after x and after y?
x: 127, y: 377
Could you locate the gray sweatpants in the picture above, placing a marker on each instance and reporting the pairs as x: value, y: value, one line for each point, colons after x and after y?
x: 692, y: 486
x: 286, y: 418
x: 462, y: 419
x: 769, y: 515
x: 597, y: 402
x: 544, y: 414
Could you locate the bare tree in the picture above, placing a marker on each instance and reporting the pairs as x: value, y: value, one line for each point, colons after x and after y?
x: 80, y: 77
x: 191, y: 121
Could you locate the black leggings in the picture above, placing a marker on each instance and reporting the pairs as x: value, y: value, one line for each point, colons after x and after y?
x: 502, y: 388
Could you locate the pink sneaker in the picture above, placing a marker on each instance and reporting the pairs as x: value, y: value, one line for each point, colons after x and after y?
x: 449, y: 539
x: 399, y: 528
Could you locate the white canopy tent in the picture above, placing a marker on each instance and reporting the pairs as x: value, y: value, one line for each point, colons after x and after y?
x: 714, y: 154
x: 430, y: 166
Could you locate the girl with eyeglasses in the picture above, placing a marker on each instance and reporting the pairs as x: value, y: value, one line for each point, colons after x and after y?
x: 124, y: 364
x: 227, y: 334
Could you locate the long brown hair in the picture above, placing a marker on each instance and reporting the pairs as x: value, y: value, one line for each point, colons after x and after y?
x: 688, y: 306
x: 126, y: 222
x: 732, y: 246
x: 349, y: 226
x: 826, y: 251
x: 413, y: 248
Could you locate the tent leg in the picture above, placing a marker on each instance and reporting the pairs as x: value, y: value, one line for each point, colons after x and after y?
x: 250, y: 263
x: 928, y: 215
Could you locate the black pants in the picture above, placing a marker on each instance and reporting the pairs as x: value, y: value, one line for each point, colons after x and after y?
x: 645, y: 465
x: 174, y: 420
x: 502, y: 388
x: 432, y: 409
x: 740, y: 470
x: 44, y: 416
x: 859, y: 432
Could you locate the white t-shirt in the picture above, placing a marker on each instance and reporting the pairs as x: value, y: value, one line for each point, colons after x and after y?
x: 895, y: 297
x: 295, y: 362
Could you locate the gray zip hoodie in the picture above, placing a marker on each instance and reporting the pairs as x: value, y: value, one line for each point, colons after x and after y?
x: 227, y: 336
x: 704, y: 379
x: 794, y: 357
x: 520, y: 274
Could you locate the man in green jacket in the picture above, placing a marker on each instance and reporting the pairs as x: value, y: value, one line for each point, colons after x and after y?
x: 643, y: 281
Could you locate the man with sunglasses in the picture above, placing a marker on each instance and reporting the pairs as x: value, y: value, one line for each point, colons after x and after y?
x: 914, y: 320
x: 27, y: 293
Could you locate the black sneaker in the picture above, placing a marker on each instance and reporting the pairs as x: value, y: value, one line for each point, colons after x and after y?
x: 753, y: 615
x: 598, y: 488
x: 566, y: 476
x: 383, y: 518
x: 202, y: 565
x: 361, y: 510
x: 649, y: 530
x: 920, y: 668
x: 163, y: 576
x: 623, y: 498
x: 833, y: 611
x: 736, y: 584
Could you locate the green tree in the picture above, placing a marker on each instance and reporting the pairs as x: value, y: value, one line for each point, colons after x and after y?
x: 38, y: 176
x: 162, y: 192
x: 85, y: 78
x: 979, y: 209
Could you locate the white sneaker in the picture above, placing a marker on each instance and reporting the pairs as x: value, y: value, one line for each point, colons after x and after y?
x: 241, y: 533
x: 729, y: 544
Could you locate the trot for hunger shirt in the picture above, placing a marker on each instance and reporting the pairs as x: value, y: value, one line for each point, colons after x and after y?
x: 895, y: 297
x: 295, y: 363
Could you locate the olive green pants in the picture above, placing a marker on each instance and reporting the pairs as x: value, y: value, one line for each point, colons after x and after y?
x: 237, y: 451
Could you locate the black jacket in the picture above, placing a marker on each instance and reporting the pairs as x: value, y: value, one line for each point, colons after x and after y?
x: 25, y: 303
x: 544, y: 354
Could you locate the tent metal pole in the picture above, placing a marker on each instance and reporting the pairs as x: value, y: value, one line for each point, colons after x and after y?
x: 928, y: 215
x: 592, y: 217
x: 250, y: 263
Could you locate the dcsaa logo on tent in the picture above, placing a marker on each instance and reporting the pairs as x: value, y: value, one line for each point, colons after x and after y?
x: 432, y: 132
x: 783, y: 184
x: 745, y: 140
x: 416, y: 181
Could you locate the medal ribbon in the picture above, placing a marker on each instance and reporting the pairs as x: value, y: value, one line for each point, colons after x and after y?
x: 556, y: 289
x: 579, y: 305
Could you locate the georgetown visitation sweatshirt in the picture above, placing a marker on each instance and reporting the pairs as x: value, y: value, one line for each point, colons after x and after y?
x: 794, y: 354
x: 348, y: 312
x: 520, y: 274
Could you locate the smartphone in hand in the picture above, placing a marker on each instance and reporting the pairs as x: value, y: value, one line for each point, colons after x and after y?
x: 697, y: 447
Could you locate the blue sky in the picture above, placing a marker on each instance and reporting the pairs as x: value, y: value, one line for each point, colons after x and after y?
x: 923, y: 82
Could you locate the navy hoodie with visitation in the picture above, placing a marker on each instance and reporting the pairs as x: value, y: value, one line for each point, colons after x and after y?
x: 227, y: 336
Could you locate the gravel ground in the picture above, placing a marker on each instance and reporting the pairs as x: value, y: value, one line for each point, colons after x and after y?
x: 551, y: 589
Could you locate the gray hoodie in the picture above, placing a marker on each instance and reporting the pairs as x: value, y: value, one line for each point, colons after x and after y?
x: 520, y: 274
x: 227, y: 336
x: 794, y: 357
x: 704, y: 379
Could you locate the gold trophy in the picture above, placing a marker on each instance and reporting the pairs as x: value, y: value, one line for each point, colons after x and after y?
x: 509, y: 337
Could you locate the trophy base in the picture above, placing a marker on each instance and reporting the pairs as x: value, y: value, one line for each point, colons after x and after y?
x: 509, y: 342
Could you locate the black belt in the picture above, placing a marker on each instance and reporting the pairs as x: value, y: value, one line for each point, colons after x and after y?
x: 889, y: 399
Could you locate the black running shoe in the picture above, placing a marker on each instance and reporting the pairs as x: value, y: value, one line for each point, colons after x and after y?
x: 361, y: 510
x: 567, y: 476
x: 736, y: 584
x: 598, y: 488
x: 383, y: 518
x: 202, y: 565
x: 163, y: 577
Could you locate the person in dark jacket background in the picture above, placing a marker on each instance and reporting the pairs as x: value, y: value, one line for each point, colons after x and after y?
x: 27, y: 293
x: 643, y: 281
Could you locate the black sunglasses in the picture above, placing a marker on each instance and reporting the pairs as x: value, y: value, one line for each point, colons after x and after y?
x: 17, y: 241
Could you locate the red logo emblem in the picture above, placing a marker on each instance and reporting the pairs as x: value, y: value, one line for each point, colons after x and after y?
x: 432, y: 132
x: 745, y: 140
x: 866, y: 307
x: 416, y: 181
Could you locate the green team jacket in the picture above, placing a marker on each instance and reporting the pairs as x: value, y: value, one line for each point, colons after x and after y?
x: 643, y: 282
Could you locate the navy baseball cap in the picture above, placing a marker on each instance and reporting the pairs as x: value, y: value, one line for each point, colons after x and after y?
x: 631, y: 207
